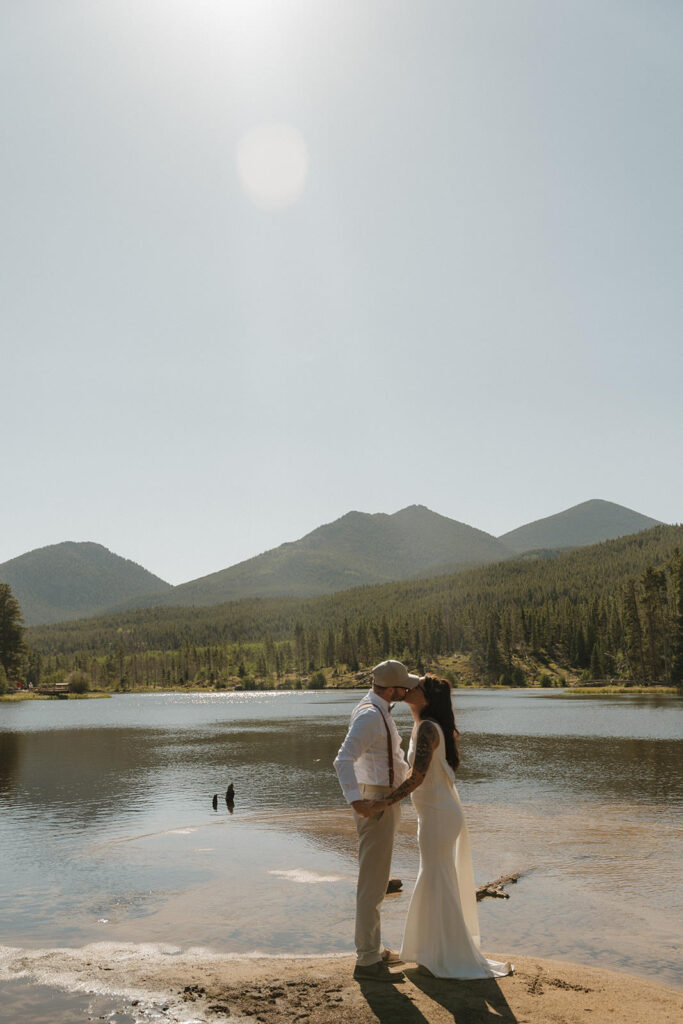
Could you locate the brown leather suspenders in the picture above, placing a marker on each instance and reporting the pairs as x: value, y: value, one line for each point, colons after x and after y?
x: 390, y: 745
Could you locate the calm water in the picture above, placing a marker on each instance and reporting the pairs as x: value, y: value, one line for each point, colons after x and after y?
x: 107, y: 830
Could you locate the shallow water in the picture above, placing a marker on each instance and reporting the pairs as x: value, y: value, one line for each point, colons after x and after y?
x: 43, y: 1004
x: 108, y: 832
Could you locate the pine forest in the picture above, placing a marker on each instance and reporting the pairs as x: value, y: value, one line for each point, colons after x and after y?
x: 612, y: 611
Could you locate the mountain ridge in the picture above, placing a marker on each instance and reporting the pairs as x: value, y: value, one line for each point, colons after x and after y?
x: 80, y: 579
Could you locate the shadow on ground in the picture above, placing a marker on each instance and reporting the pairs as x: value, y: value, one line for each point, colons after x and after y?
x: 467, y: 1002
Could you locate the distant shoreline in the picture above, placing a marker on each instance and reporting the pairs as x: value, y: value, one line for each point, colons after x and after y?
x: 611, y: 691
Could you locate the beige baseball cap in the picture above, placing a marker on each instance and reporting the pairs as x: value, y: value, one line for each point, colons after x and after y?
x: 394, y: 673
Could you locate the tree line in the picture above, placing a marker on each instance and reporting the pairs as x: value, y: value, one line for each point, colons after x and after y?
x: 13, y: 648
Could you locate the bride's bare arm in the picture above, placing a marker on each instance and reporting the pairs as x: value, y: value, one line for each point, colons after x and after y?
x: 426, y: 741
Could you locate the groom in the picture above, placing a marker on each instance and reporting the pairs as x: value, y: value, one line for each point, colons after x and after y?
x: 369, y: 765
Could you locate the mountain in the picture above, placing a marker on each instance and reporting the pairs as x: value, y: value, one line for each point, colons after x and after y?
x: 588, y: 523
x: 357, y: 549
x: 72, y: 580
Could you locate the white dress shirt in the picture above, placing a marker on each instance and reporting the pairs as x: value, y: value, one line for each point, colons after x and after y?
x: 363, y: 756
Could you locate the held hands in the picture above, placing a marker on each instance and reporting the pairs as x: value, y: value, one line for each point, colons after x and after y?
x: 368, y: 808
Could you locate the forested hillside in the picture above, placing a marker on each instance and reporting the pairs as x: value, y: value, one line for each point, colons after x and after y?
x: 611, y: 610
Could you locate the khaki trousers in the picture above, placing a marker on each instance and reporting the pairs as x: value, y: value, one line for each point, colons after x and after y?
x: 375, y: 846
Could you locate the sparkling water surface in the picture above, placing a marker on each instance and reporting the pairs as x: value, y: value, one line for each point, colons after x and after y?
x: 107, y: 829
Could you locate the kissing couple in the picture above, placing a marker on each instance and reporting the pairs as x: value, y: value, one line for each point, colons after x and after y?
x: 441, y: 931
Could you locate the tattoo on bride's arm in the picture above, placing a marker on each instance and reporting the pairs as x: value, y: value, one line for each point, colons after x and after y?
x: 427, y: 738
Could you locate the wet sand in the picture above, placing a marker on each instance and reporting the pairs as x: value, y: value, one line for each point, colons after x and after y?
x: 165, y: 983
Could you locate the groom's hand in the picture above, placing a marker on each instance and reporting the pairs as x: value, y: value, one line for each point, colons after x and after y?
x: 363, y: 808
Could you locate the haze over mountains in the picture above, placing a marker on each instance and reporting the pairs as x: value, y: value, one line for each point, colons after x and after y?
x: 74, y: 580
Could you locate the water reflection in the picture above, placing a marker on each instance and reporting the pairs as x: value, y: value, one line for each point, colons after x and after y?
x: 81, y: 777
x: 532, y: 768
x: 9, y: 760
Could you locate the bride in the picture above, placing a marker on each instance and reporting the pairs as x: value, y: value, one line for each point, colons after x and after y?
x: 442, y: 930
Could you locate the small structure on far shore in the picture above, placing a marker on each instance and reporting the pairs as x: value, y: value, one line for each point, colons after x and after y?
x: 55, y: 690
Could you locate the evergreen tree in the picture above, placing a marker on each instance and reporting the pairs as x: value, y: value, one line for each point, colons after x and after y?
x: 506, y: 640
x: 633, y: 632
x: 300, y: 647
x: 362, y: 649
x: 582, y: 659
x: 596, y: 663
x: 313, y: 649
x: 330, y: 658
x: 270, y: 655
x: 12, y: 644
x: 653, y: 583
x: 677, y: 630
x: 525, y: 628
x: 492, y: 655
x: 34, y: 669
x: 386, y: 637
x: 347, y: 652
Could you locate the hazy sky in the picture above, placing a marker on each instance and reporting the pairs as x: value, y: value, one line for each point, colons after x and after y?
x: 266, y: 262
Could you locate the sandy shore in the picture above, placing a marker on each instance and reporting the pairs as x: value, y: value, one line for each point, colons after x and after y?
x: 202, y: 986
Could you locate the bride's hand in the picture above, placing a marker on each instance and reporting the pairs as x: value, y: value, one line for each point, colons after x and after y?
x: 376, y: 807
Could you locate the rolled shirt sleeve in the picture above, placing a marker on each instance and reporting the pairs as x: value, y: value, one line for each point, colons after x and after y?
x: 361, y: 734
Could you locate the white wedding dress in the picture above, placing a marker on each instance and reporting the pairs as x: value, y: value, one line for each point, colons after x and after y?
x: 442, y: 927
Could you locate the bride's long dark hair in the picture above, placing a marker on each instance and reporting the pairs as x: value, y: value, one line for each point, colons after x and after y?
x: 439, y: 708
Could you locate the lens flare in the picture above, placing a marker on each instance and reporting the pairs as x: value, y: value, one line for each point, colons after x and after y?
x: 272, y: 163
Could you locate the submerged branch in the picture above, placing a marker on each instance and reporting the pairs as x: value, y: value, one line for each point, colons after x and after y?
x: 495, y: 888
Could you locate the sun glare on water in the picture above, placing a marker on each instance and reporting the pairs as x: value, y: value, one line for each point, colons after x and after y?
x: 272, y: 163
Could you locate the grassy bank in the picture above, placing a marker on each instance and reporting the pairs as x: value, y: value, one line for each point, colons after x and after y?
x: 464, y: 671
x: 32, y: 695
x: 623, y: 689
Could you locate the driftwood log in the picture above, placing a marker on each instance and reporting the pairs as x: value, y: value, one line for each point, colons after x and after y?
x: 495, y: 888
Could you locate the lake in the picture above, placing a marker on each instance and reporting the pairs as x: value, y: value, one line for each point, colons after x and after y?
x: 108, y: 832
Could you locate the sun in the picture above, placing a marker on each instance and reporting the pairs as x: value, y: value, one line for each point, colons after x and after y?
x: 272, y: 163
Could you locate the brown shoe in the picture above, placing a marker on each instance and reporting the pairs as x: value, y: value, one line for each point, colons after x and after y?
x: 389, y: 957
x: 378, y: 972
